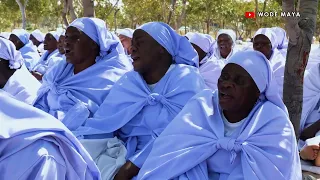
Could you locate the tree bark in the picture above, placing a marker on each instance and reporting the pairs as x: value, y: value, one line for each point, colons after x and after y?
x: 71, y: 10
x: 256, y: 10
x: 172, y: 9
x: 183, y: 13
x: 300, y: 32
x: 88, y: 8
x: 65, y: 12
x: 115, y: 19
x: 22, y: 8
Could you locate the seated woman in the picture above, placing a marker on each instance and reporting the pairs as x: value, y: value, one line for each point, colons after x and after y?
x: 241, y: 131
x: 210, y: 69
x: 29, y: 52
x: 310, y: 117
x: 15, y: 78
x: 34, y: 145
x: 74, y: 89
x: 37, y: 38
x: 265, y: 41
x: 225, y: 43
x: 50, y: 57
x: 144, y: 101
x: 125, y: 36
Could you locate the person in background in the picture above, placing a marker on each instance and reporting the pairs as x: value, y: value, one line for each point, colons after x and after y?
x: 29, y: 52
x: 242, y: 131
x: 209, y: 69
x: 37, y: 38
x: 265, y: 41
x: 50, y: 57
x: 225, y: 43
x: 282, y: 40
x: 125, y: 36
x: 35, y: 145
x: 144, y: 101
x: 15, y: 78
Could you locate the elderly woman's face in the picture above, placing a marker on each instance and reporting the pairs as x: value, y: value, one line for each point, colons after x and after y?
x: 61, y: 44
x: 5, y: 72
x: 237, y: 90
x: 50, y: 43
x: 262, y: 43
x: 16, y: 41
x: 78, y: 46
x: 145, y: 51
x: 224, y: 44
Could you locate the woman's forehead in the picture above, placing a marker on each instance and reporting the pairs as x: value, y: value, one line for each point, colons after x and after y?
x: 235, y: 69
x: 261, y: 38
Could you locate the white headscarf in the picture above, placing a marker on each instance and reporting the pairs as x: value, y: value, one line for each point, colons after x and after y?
x: 233, y: 37
x: 22, y: 34
x: 55, y: 34
x: 38, y: 35
x: 259, y: 68
x: 126, y: 32
x: 8, y: 52
x: 269, y: 33
x: 204, y: 41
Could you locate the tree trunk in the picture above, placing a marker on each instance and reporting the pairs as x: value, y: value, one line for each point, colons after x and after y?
x: 300, y: 32
x: 115, y: 19
x: 71, y: 10
x: 256, y: 10
x: 64, y: 13
x: 113, y: 7
x: 88, y: 8
x: 264, y: 9
x: 183, y: 13
x: 171, y: 13
x: 22, y: 8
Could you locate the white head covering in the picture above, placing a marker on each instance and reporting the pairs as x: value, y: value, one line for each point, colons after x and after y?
x: 282, y: 39
x: 8, y: 52
x: 55, y: 34
x: 178, y: 46
x: 38, y: 35
x: 256, y: 64
x: 269, y: 33
x: 97, y: 31
x: 22, y: 34
x: 204, y: 41
x: 126, y: 32
x: 229, y: 32
x: 189, y: 35
x: 5, y: 35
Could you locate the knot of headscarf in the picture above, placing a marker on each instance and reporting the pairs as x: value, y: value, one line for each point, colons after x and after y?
x: 230, y: 145
x: 8, y: 52
x: 205, y: 42
x: 97, y: 31
x: 268, y: 32
x: 22, y: 34
x: 256, y: 64
x: 154, y: 99
x: 178, y: 46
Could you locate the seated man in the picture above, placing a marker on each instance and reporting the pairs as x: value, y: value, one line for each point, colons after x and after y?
x: 265, y: 41
x: 225, y: 44
x: 35, y: 145
x: 144, y: 101
x: 241, y: 131
x: 210, y: 68
x: 15, y: 78
x: 29, y: 52
x: 310, y: 117
x: 51, y: 56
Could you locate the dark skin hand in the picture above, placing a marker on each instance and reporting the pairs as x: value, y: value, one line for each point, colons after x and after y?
x: 37, y: 75
x: 127, y: 171
x: 5, y: 72
x: 310, y: 131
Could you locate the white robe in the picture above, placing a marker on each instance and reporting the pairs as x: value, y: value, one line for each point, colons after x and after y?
x: 23, y: 86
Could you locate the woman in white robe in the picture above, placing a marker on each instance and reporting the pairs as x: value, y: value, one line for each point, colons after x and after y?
x: 37, y: 38
x: 36, y: 146
x: 225, y: 44
x: 210, y: 68
x: 15, y: 78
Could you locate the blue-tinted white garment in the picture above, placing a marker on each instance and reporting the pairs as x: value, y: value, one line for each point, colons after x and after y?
x: 141, y: 114
x: 196, y: 145
x: 30, y: 55
x: 73, y: 98
x: 47, y: 61
x: 23, y: 86
x: 210, y: 70
x: 34, y: 145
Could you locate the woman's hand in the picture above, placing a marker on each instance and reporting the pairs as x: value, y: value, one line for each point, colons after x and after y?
x: 37, y: 75
x: 127, y: 171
